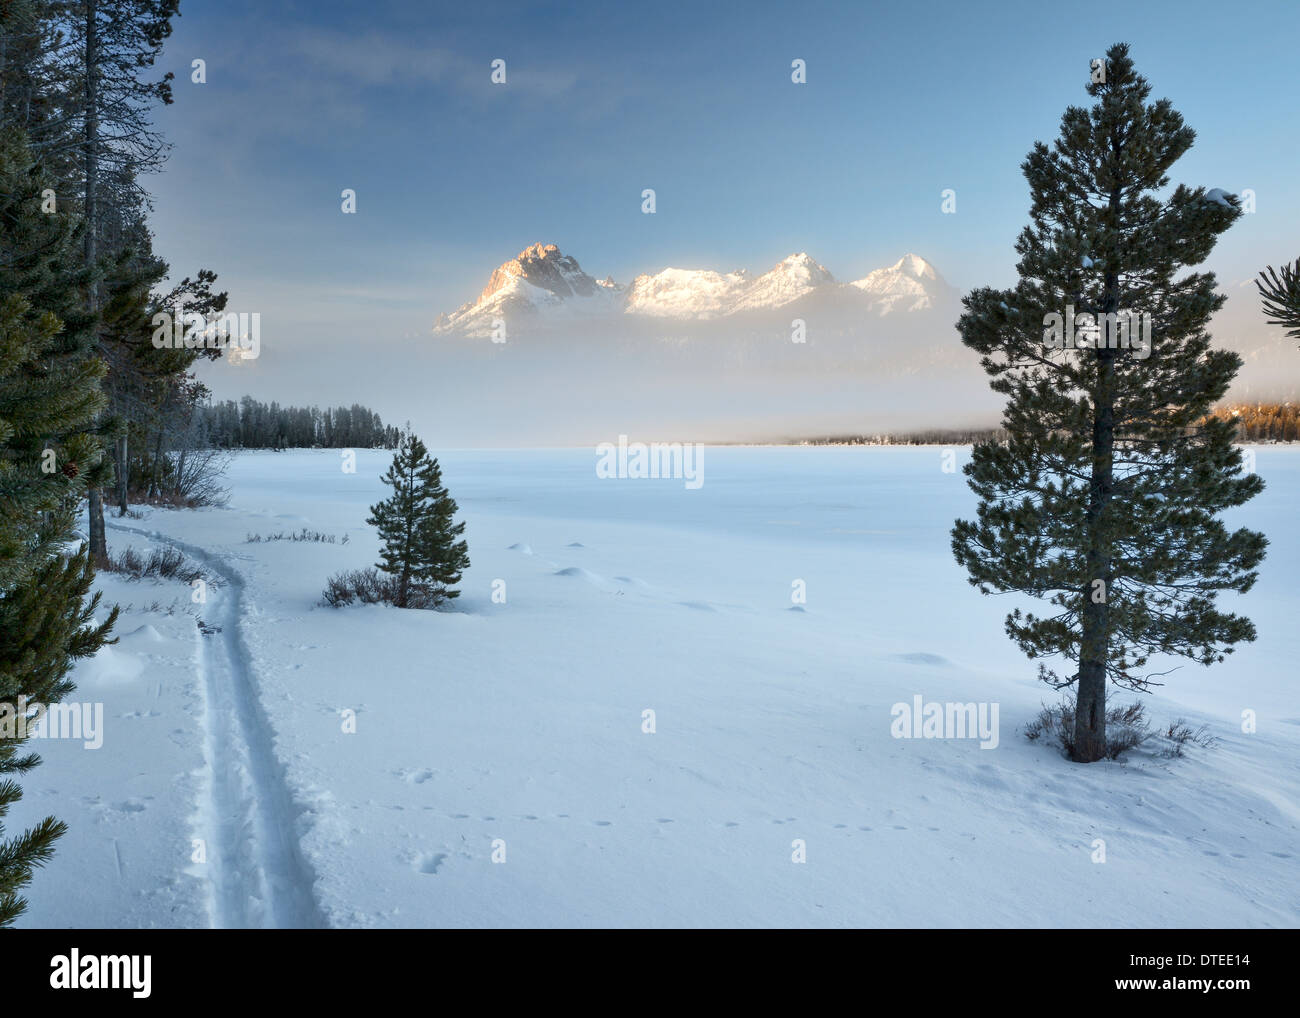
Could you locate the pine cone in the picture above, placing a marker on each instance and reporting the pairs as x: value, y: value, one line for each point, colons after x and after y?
x: 70, y: 469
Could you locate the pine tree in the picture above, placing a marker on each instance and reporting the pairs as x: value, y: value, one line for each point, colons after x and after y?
x: 1280, y: 295
x: 421, y: 546
x: 98, y: 74
x: 49, y: 397
x: 1104, y: 499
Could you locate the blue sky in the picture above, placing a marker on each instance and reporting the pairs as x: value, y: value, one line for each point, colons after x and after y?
x: 454, y: 174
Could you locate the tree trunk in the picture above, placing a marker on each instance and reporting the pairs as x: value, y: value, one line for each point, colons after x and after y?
x: 155, y: 485
x: 98, y: 547
x: 122, y: 476
x: 1090, y: 703
x: 91, y: 154
x: 1094, y: 644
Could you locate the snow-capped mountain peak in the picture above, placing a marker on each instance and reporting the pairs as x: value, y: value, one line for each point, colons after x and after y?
x: 788, y: 280
x: 686, y: 293
x: 540, y: 276
x: 915, y: 265
x: 910, y: 284
x: 703, y: 293
x: 543, y: 267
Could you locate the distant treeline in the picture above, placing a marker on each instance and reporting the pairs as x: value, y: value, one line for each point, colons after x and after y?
x: 1258, y: 422
x: 936, y: 436
x: 1264, y: 422
x: 249, y: 424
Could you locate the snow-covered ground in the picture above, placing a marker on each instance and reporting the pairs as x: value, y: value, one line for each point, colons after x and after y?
x: 363, y: 766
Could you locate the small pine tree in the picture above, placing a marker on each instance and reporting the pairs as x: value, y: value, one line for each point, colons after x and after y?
x: 1105, y: 498
x: 422, y: 550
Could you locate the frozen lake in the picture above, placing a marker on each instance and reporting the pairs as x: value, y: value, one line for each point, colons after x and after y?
x: 493, y: 765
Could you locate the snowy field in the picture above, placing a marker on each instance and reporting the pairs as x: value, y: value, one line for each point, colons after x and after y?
x: 515, y: 729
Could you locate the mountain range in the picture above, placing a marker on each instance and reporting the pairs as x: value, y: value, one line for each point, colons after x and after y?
x: 543, y: 286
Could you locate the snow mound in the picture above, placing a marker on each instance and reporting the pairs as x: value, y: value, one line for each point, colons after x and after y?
x: 580, y: 573
x: 110, y: 665
x: 921, y: 658
x: 142, y: 634
x: 635, y: 582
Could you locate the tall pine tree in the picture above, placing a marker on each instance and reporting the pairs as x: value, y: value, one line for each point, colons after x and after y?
x: 102, y: 62
x: 49, y: 397
x: 422, y: 548
x: 1105, y: 498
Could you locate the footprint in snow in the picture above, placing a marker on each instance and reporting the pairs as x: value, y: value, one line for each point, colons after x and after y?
x: 430, y: 863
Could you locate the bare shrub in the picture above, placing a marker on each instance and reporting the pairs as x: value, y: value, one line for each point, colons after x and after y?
x: 1126, y: 728
x: 159, y: 564
x: 196, y: 476
x: 424, y: 595
x: 370, y: 586
x: 1180, y: 735
x: 367, y: 586
x: 186, y: 470
x: 297, y: 535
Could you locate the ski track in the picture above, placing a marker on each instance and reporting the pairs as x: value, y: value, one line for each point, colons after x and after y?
x: 258, y: 876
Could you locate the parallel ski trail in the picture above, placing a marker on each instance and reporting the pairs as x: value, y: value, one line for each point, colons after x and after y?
x: 259, y: 876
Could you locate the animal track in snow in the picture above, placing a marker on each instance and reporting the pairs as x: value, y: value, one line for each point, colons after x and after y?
x: 430, y: 863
